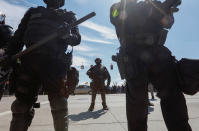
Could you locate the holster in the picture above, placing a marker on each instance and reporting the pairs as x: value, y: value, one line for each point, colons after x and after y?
x: 66, y: 58
x: 120, y: 59
x: 126, y: 65
x: 72, y: 79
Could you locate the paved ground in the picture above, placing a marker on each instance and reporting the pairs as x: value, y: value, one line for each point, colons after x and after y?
x: 81, y: 120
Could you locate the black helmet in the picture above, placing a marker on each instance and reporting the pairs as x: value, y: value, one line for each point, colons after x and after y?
x: 2, y: 17
x: 98, y: 61
x: 55, y: 3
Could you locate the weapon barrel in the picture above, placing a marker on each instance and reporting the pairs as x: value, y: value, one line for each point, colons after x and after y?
x: 52, y: 36
x: 82, y: 19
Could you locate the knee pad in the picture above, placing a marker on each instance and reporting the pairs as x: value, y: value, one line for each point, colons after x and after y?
x: 22, y: 115
x: 59, y: 103
x: 59, y: 112
x: 19, y: 107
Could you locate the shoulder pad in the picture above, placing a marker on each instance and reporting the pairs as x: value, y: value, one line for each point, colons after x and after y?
x: 70, y: 13
x: 35, y: 8
x: 32, y: 8
x: 70, y: 16
x: 114, y: 11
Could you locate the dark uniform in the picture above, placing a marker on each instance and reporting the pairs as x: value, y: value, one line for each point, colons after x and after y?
x: 5, y: 35
x: 46, y: 65
x: 141, y: 28
x: 99, y: 74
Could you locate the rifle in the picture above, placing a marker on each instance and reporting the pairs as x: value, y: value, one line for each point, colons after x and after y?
x: 58, y: 32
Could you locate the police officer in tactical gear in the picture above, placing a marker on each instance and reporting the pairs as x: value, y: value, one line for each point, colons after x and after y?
x: 98, y: 74
x: 46, y: 65
x: 141, y: 28
x: 5, y: 31
x: 5, y: 35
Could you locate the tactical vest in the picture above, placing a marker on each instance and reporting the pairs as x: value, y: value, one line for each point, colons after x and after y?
x: 99, y: 73
x: 139, y: 23
x: 42, y: 22
x: 5, y: 34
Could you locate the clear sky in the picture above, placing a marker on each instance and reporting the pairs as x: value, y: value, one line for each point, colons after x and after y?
x: 98, y: 35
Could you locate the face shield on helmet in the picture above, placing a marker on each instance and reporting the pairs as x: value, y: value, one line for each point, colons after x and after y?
x: 55, y: 3
x: 2, y: 17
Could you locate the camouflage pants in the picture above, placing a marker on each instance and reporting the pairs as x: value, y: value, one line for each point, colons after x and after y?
x: 34, y: 72
x: 155, y: 65
x: 98, y: 87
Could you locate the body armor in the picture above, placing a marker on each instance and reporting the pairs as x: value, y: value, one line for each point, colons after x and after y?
x: 5, y: 34
x: 147, y: 28
x: 44, y: 22
x: 97, y: 73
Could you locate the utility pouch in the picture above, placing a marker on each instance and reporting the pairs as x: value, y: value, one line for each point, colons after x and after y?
x: 68, y: 60
x: 162, y: 37
x: 72, y: 79
x: 117, y: 58
x: 122, y: 60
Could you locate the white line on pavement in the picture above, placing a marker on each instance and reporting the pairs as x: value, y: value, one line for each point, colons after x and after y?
x: 9, y: 112
x: 5, y: 113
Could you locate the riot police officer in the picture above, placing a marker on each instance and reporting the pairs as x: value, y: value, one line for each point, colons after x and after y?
x: 5, y: 31
x: 98, y: 74
x: 142, y: 28
x: 5, y: 35
x: 46, y: 65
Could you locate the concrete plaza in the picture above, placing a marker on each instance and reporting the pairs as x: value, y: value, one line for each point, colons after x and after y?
x: 98, y: 120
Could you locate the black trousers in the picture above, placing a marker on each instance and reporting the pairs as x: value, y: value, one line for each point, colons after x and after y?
x: 34, y: 72
x: 156, y: 65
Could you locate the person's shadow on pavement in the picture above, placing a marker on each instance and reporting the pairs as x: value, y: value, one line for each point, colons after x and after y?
x: 150, y: 109
x: 86, y: 115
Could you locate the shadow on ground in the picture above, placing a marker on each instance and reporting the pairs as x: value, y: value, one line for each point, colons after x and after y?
x: 153, y: 99
x: 150, y: 109
x: 86, y: 115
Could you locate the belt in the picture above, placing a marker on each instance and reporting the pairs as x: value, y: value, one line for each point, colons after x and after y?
x: 147, y: 38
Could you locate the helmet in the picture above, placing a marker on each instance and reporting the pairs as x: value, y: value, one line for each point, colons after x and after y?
x: 54, y: 3
x: 98, y: 61
x: 2, y: 17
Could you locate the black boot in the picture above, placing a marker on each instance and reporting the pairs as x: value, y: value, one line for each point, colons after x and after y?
x: 105, y: 107
x: 91, y: 108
